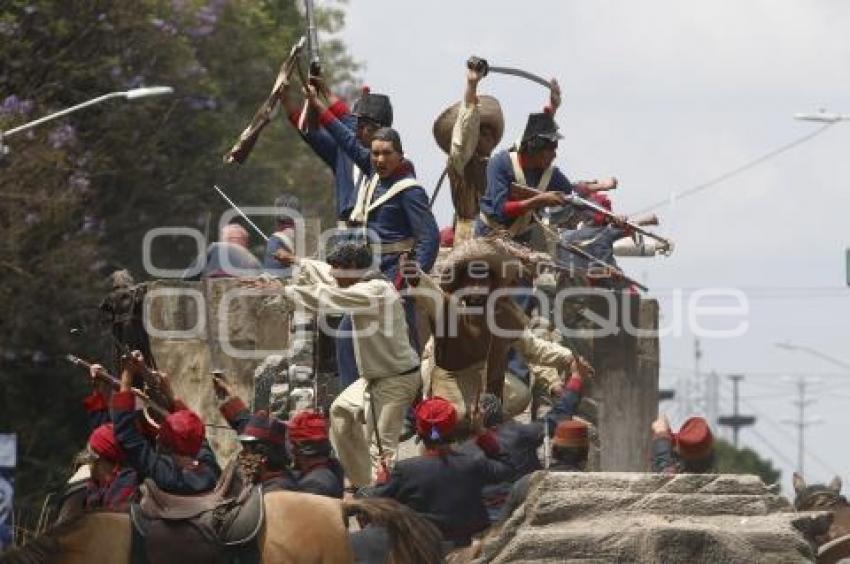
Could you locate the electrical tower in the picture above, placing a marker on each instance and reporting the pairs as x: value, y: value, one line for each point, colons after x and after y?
x: 736, y: 421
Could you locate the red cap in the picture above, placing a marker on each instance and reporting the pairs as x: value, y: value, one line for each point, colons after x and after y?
x: 435, y: 419
x: 365, y: 90
x: 263, y: 427
x: 307, y: 426
x: 694, y: 440
x: 182, y: 432
x: 104, y: 444
x: 571, y: 433
x: 447, y: 237
x: 601, y: 200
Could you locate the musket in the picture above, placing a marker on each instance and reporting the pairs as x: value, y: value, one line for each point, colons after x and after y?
x: 116, y: 383
x: 578, y: 251
x: 522, y: 192
x: 308, y: 119
x: 248, y: 138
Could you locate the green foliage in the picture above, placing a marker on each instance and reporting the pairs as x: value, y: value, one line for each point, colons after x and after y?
x: 731, y: 460
x: 80, y: 193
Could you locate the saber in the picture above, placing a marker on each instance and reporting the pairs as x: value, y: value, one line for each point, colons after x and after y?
x: 522, y: 74
x: 240, y: 212
x: 481, y: 65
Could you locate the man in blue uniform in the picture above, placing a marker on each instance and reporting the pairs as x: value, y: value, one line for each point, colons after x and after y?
x: 283, y: 236
x: 531, y: 165
x: 370, y: 113
x: 392, y: 203
x: 445, y: 484
x: 182, y: 461
x: 319, y: 473
x: 520, y: 441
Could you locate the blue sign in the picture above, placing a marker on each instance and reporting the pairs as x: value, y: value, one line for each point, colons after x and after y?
x: 8, y: 461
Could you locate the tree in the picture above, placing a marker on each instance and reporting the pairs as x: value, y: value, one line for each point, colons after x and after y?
x: 79, y: 194
x: 731, y: 460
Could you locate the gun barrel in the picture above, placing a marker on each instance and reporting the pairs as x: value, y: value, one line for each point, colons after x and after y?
x: 577, y: 200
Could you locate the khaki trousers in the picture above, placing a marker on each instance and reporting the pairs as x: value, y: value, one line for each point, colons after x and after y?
x: 358, y: 451
x: 461, y: 386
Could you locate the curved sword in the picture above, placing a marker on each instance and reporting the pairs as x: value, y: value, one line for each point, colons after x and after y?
x: 522, y: 74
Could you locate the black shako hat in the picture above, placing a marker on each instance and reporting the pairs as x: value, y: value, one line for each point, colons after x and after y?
x: 541, y: 125
x: 374, y: 107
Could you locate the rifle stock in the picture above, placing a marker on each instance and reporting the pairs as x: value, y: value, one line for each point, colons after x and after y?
x: 248, y: 138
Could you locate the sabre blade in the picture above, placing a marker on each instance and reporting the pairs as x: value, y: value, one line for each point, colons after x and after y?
x: 522, y: 74
x: 240, y: 212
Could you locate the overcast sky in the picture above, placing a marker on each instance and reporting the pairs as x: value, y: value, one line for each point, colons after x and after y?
x: 666, y: 95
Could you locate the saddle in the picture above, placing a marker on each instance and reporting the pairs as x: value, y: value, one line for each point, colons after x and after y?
x: 218, y: 527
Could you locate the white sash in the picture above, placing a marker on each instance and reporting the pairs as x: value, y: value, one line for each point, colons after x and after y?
x: 361, y: 210
x: 522, y: 222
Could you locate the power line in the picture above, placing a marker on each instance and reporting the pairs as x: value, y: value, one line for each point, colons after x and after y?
x: 738, y: 170
x: 774, y: 449
x: 764, y: 417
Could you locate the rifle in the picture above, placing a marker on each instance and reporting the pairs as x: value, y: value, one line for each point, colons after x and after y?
x: 308, y: 119
x: 616, y: 272
x: 522, y: 192
x: 116, y: 383
x: 248, y: 138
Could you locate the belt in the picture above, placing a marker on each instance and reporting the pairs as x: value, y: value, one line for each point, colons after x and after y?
x: 496, y: 226
x: 401, y: 246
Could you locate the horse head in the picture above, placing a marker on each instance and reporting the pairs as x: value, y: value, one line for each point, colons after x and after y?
x: 817, y: 497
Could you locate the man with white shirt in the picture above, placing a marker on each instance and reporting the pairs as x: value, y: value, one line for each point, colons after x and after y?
x: 387, y: 365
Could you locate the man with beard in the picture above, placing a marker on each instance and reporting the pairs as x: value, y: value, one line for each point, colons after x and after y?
x: 263, y: 437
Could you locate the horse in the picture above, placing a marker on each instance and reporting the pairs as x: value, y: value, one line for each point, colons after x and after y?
x: 835, y: 543
x: 299, y: 528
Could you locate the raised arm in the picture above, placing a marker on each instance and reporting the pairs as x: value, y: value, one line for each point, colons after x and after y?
x: 343, y: 136
x: 467, y: 125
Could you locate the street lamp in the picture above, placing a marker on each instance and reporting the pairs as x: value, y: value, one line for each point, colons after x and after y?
x: 822, y: 116
x: 133, y: 94
x: 823, y: 356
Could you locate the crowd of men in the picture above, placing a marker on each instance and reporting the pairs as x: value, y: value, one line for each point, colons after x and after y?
x: 458, y: 391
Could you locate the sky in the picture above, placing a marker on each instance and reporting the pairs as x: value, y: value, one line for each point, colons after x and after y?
x: 666, y: 95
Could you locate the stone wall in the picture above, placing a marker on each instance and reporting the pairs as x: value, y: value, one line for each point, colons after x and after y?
x: 633, y: 517
x: 196, y: 327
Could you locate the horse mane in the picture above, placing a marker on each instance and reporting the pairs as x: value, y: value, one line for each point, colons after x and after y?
x: 415, y: 540
x: 818, y: 496
x: 44, y: 547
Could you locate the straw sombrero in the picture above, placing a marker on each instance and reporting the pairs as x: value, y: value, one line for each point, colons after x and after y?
x: 491, y: 115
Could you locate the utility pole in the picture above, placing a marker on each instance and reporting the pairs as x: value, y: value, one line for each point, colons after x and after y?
x: 736, y: 421
x: 802, y: 402
x: 691, y: 384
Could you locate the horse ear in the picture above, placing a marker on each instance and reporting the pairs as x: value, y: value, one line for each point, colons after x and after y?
x: 799, y: 483
x: 835, y: 485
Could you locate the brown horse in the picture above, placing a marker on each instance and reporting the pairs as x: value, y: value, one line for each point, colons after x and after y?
x: 835, y: 543
x: 299, y: 529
